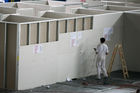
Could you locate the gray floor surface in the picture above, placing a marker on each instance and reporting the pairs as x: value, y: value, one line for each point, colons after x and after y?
x: 115, y: 84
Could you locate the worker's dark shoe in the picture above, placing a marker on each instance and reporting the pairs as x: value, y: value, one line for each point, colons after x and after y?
x: 105, y: 81
x: 98, y: 79
x: 85, y: 83
x: 138, y: 91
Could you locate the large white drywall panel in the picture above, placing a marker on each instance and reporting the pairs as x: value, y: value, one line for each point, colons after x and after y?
x: 131, y: 40
x: 58, y: 60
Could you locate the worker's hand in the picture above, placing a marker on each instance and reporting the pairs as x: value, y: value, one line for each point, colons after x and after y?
x: 96, y: 52
x: 94, y: 49
x: 106, y: 53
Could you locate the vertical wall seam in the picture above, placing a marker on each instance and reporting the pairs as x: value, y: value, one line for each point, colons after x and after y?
x: 75, y: 25
x: 91, y: 26
x: 66, y: 26
x: 28, y: 33
x: 5, y: 58
x: 48, y: 32
x: 57, y: 30
x: 38, y: 33
x: 83, y: 24
x: 17, y: 55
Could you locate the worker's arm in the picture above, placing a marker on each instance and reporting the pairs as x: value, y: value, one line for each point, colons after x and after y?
x: 97, y: 49
x: 107, y: 51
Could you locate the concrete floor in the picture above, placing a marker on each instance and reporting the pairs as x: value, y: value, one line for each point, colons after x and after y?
x: 115, y: 84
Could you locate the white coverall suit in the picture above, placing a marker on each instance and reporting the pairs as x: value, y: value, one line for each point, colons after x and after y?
x: 102, y: 50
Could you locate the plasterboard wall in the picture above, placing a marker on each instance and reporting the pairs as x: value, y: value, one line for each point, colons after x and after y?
x: 21, y: 19
x: 57, y: 15
x: 38, y: 2
x: 11, y: 56
x: 131, y: 40
x: 2, y: 54
x: 117, y: 8
x: 36, y: 7
x: 9, y: 4
x: 21, y: 11
x: 59, y: 60
x: 24, y: 6
x: 71, y: 21
x: 6, y: 10
x: 91, y: 11
x: 26, y: 11
x: 120, y: 8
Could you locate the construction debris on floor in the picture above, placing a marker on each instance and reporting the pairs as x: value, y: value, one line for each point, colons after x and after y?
x: 90, y: 84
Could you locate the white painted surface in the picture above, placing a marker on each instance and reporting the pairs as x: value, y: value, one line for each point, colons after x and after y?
x: 59, y: 61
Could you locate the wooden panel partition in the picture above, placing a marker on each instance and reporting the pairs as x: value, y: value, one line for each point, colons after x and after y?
x: 79, y: 23
x: 48, y: 31
x: 36, y: 33
x: 52, y: 31
x: 11, y: 71
x: 88, y: 23
x: 62, y: 26
x: 43, y: 32
x: 33, y: 34
x: 2, y: 54
x: 70, y: 25
x: 23, y: 34
x: 8, y: 55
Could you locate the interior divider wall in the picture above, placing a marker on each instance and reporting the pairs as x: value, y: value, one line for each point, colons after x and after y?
x: 16, y: 34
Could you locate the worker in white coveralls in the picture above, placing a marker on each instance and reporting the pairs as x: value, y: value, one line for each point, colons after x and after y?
x: 101, y: 51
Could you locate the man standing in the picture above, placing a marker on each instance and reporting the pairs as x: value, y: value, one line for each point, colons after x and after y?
x: 101, y: 51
